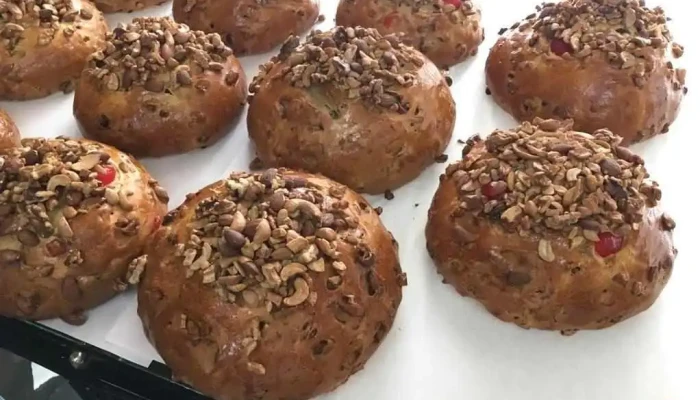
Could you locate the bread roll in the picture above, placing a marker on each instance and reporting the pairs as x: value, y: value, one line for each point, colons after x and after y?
x: 551, y: 228
x: 604, y: 63
x: 276, y: 285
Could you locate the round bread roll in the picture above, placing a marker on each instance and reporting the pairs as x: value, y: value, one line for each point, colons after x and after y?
x: 249, y: 26
x: 551, y: 228
x: 352, y: 105
x: 278, y: 285
x: 73, y: 216
x: 113, y: 6
x: 603, y: 63
x: 44, y: 45
x: 446, y: 31
x: 9, y: 135
x: 159, y: 88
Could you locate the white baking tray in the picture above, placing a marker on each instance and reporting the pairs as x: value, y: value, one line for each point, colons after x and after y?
x: 444, y: 346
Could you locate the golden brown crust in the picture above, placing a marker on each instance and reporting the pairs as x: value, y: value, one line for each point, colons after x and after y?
x: 168, y: 113
x: 369, y: 147
x: 249, y: 26
x: 445, y: 34
x: 113, y: 6
x: 578, y: 289
x: 531, y: 81
x: 80, y: 261
x: 9, y: 134
x: 41, y: 64
x: 234, y: 350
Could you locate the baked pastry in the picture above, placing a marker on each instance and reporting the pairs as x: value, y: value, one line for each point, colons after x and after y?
x: 352, y: 105
x: 551, y: 228
x: 9, y: 135
x: 276, y: 285
x: 113, y: 6
x: 44, y: 45
x: 603, y: 63
x: 446, y: 31
x: 73, y: 216
x: 159, y: 88
x: 249, y: 26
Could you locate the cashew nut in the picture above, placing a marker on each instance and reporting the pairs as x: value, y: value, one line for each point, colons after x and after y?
x: 56, y: 181
x: 87, y: 162
x: 301, y: 293
x: 290, y: 270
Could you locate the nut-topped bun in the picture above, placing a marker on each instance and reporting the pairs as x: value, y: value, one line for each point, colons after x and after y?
x: 446, y: 31
x: 159, y: 88
x: 277, y: 285
x: 249, y: 26
x: 353, y: 105
x: 551, y: 228
x: 603, y: 63
x: 73, y: 216
x: 9, y: 135
x: 113, y: 6
x: 44, y: 45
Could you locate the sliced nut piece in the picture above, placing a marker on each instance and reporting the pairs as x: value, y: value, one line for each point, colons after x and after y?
x: 591, y: 235
x: 269, y: 271
x: 63, y: 227
x: 282, y: 254
x: 239, y: 222
x: 297, y: 244
x: 262, y: 232
x: 256, y: 368
x: 318, y: 265
x: 291, y: 270
x: 544, y: 249
x: 136, y: 268
x: 87, y: 162
x: 301, y: 293
x: 326, y: 233
x: 339, y: 266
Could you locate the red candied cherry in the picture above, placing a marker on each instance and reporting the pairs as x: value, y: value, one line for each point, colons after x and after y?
x: 390, y: 19
x: 608, y: 244
x: 106, y: 175
x: 493, y: 190
x: 559, y: 47
x: 456, y: 3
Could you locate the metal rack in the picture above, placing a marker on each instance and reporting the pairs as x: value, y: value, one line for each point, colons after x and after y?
x: 95, y: 374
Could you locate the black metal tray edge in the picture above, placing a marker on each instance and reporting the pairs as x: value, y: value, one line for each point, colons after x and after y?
x: 83, y: 364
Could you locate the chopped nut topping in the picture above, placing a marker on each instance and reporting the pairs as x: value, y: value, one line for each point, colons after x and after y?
x: 45, y: 184
x: 627, y: 32
x: 362, y: 62
x: 441, y: 5
x: 261, y: 243
x: 159, y: 55
x: 51, y: 16
x: 553, y: 179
